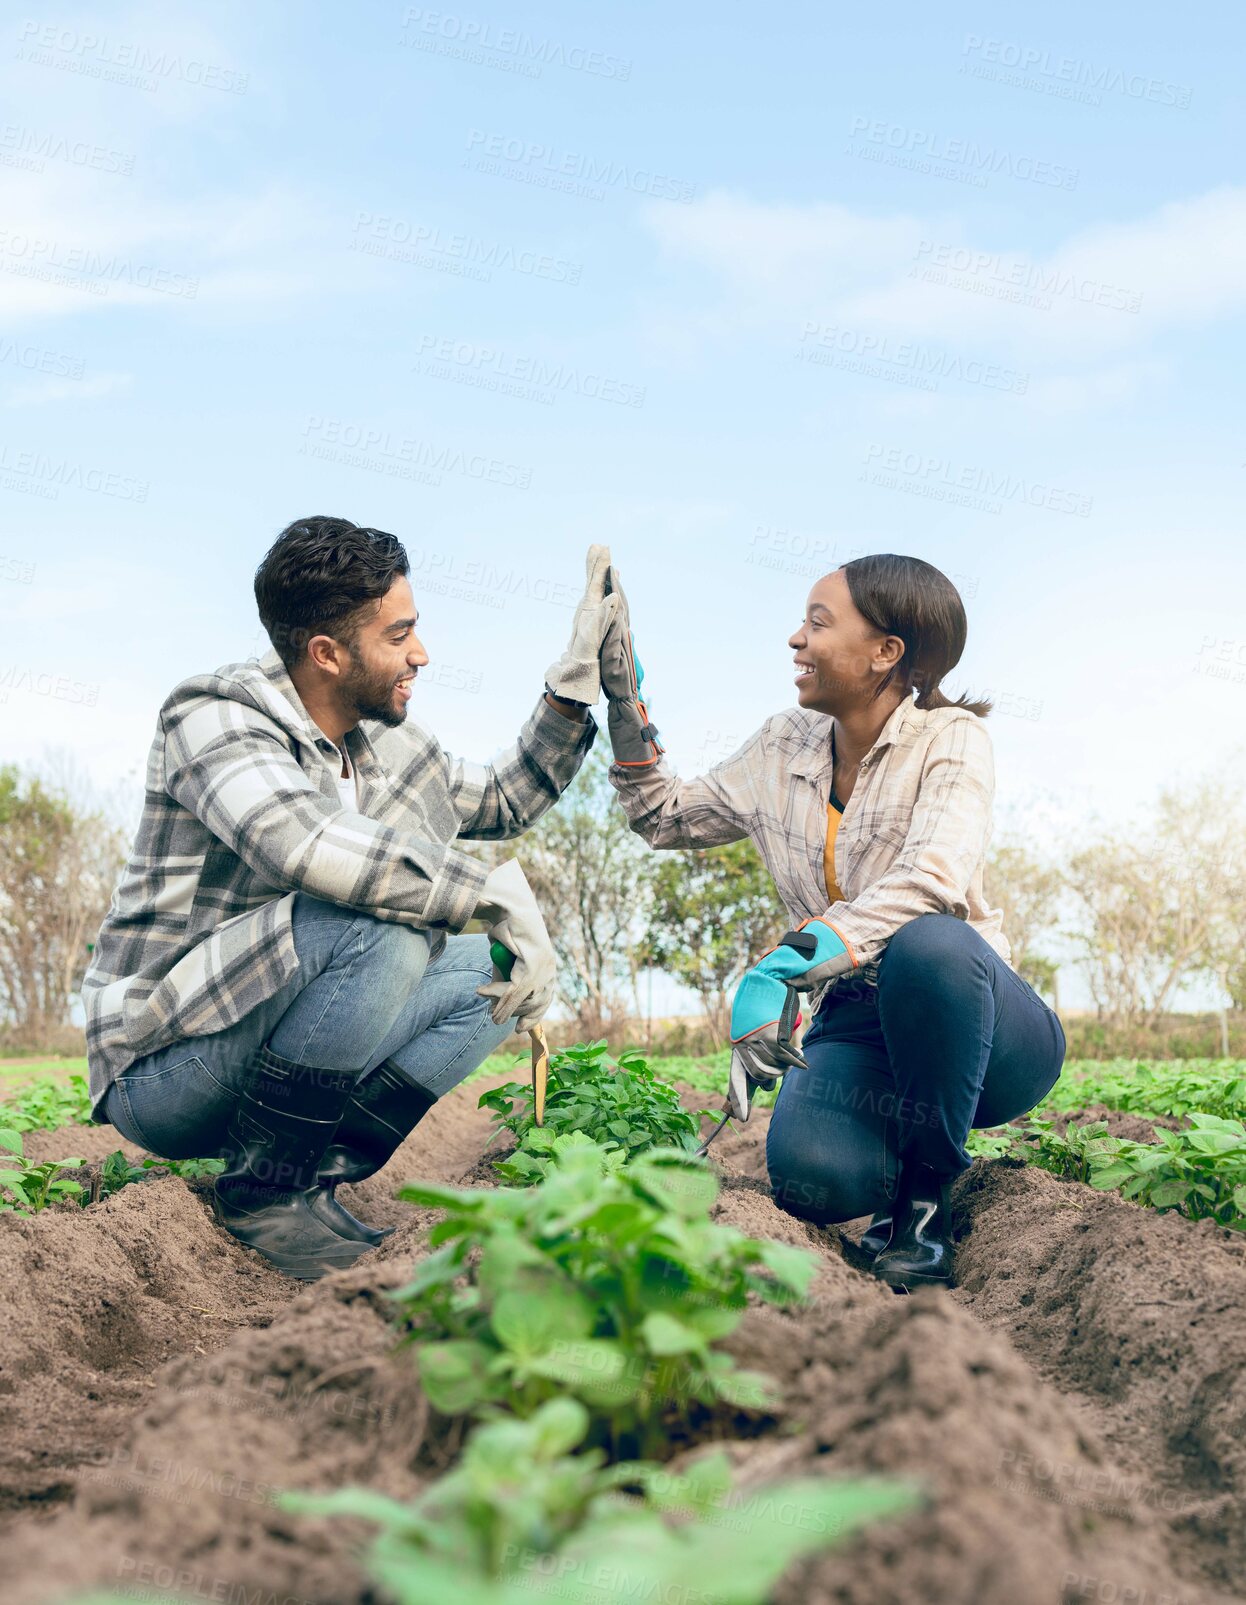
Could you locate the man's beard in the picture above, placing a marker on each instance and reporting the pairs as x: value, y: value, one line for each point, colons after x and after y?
x: 372, y: 695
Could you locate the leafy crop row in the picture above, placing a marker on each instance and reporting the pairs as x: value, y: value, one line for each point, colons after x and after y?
x: 1155, y: 1087
x: 26, y: 1188
x: 46, y: 1104
x: 573, y: 1318
x: 1199, y: 1171
x: 626, y: 1109
x: 605, y: 1283
x: 529, y: 1512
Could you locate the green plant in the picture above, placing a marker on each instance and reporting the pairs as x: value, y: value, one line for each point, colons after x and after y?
x: 1155, y: 1087
x: 116, y: 1171
x: 1199, y: 1171
x: 624, y: 1108
x: 606, y: 1282
x: 33, y: 1187
x: 46, y: 1104
x: 522, y: 1516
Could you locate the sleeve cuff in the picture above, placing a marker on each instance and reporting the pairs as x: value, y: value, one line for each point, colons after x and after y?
x: 547, y: 727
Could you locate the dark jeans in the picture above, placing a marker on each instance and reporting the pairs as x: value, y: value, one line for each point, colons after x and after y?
x: 366, y: 991
x: 951, y: 1038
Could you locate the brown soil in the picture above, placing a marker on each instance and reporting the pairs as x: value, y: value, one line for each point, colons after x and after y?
x: 1075, y: 1408
x: 1120, y: 1122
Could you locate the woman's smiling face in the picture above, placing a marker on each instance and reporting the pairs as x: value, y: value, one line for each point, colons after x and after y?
x: 839, y: 654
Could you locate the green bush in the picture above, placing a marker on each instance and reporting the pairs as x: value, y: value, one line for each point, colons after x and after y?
x: 622, y: 1107
x: 607, y: 1283
x: 522, y: 1516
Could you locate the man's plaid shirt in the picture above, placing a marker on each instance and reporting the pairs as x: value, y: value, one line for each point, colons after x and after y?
x: 912, y: 839
x: 242, y: 810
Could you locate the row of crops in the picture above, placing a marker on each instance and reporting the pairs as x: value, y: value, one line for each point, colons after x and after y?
x: 1198, y: 1168
x: 569, y: 1325
x: 1194, y: 1159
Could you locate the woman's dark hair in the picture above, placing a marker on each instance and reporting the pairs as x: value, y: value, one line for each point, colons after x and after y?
x: 907, y: 597
x: 321, y: 577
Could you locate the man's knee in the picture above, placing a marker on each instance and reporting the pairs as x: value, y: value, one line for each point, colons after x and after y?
x: 399, y: 952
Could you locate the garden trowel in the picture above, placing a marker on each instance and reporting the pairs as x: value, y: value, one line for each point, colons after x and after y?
x: 503, y: 960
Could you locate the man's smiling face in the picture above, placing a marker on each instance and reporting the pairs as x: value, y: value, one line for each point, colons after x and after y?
x: 379, y: 675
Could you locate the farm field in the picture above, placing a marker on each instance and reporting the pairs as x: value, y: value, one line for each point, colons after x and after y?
x: 1067, y: 1423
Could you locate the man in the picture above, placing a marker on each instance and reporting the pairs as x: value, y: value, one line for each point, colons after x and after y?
x: 280, y: 978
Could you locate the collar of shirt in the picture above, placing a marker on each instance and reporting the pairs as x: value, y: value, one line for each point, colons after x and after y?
x: 359, y: 749
x: 900, y: 731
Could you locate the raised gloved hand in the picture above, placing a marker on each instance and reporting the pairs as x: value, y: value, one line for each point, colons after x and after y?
x: 576, y: 675
x: 510, y: 911
x: 764, y: 1011
x: 633, y: 736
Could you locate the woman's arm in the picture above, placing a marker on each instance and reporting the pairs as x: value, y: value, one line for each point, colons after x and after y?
x: 708, y: 811
x: 946, y: 839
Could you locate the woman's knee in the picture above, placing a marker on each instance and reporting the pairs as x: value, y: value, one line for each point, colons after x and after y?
x: 925, y: 942
x: 828, y: 1188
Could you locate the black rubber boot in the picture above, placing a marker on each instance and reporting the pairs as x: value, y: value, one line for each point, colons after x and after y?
x: 877, y: 1234
x: 264, y: 1197
x: 384, y: 1108
x: 920, y: 1251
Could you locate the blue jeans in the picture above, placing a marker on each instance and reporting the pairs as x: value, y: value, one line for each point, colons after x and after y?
x: 949, y: 1039
x: 365, y: 991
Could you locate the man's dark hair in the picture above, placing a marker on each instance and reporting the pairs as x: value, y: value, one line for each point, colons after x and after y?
x: 324, y: 576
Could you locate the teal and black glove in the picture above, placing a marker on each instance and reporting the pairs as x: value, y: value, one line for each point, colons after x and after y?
x: 633, y: 735
x: 764, y: 1012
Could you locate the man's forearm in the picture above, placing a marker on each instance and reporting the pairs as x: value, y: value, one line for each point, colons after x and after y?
x: 569, y: 710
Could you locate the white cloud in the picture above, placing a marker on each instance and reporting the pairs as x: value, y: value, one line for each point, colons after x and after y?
x: 93, y: 388
x: 1104, y: 290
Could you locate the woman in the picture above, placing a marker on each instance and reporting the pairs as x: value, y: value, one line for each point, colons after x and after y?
x: 870, y: 804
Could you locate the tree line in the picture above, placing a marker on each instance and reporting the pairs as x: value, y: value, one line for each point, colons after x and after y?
x: 1141, y: 913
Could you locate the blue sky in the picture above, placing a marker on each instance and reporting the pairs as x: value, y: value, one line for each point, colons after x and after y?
x: 743, y: 292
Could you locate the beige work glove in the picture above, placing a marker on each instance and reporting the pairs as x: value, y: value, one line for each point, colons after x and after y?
x: 510, y: 911
x: 576, y: 676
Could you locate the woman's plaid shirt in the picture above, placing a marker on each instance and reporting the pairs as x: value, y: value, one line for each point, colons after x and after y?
x: 912, y: 839
x: 242, y: 810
